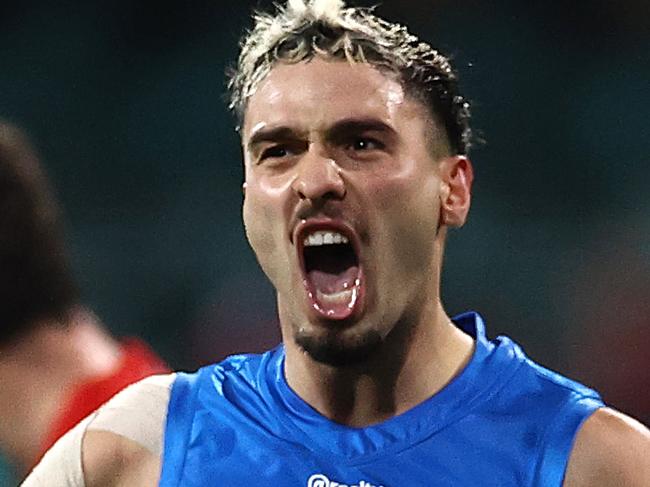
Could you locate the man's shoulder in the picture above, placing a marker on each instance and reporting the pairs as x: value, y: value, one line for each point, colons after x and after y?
x: 152, y: 385
x: 526, y: 387
x: 557, y: 392
x: 123, y: 443
x: 518, y: 378
x: 138, y: 412
x: 611, y: 449
x: 124, y: 436
x: 112, y: 460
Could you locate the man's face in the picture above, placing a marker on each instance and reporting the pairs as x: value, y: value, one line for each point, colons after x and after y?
x: 342, y: 203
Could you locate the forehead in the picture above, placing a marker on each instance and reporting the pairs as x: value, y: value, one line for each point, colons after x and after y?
x: 312, y: 95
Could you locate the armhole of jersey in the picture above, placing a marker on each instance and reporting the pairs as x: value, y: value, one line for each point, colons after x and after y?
x: 178, y: 427
x: 559, y: 439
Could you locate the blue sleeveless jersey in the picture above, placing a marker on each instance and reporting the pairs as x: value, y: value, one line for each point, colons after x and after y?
x: 503, y: 421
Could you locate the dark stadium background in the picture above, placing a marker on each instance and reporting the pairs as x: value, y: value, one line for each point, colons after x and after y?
x: 125, y: 100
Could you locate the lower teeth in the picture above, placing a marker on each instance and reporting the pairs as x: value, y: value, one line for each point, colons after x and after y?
x: 340, y: 297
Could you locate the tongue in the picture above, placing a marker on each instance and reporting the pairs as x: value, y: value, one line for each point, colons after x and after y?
x: 328, y: 283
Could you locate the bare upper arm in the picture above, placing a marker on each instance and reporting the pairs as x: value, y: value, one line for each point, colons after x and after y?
x: 611, y: 450
x: 112, y: 460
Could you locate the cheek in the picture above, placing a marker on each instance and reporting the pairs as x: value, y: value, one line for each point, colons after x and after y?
x: 408, y: 213
x: 264, y: 221
x: 409, y: 194
x: 257, y: 218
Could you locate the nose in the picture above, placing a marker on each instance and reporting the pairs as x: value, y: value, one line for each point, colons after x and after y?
x: 318, y: 177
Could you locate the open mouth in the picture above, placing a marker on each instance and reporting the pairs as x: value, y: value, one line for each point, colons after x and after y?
x: 331, y: 270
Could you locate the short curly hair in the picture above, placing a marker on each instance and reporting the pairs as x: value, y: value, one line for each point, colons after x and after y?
x: 304, y: 29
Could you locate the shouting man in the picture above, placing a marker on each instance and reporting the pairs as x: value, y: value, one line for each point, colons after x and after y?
x: 355, y: 141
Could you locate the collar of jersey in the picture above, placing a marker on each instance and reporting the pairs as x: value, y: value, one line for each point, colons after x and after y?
x: 488, y: 370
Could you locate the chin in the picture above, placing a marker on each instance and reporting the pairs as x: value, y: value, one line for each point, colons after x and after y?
x: 339, y: 349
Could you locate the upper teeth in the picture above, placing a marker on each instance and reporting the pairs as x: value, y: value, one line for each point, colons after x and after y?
x: 325, y: 238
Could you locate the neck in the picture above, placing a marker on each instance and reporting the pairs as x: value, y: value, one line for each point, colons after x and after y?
x: 39, y: 370
x: 418, y: 358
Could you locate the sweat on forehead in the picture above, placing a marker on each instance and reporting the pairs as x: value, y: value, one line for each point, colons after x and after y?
x: 302, y: 30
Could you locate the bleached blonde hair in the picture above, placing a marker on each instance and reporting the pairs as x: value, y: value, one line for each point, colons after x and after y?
x: 306, y: 28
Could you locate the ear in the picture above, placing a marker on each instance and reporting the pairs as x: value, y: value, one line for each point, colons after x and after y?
x: 456, y: 177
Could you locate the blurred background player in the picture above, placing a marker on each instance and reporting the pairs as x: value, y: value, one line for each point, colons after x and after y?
x: 57, y: 362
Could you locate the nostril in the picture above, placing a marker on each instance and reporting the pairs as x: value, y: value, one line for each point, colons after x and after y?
x: 298, y: 187
x: 319, y: 180
x: 335, y: 195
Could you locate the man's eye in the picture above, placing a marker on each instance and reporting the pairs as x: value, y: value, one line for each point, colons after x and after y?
x: 366, y: 143
x: 275, y: 151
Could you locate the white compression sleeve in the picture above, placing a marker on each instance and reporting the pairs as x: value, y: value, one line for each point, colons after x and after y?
x: 137, y: 413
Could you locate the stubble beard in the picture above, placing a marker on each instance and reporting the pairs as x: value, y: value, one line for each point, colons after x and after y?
x: 337, y: 348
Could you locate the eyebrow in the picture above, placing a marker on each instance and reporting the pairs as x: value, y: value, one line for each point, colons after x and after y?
x: 272, y: 135
x: 336, y: 132
x: 346, y: 127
